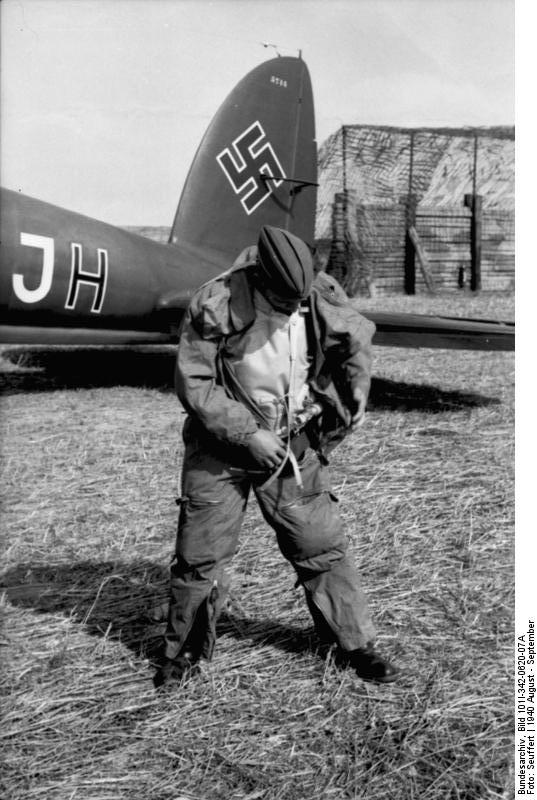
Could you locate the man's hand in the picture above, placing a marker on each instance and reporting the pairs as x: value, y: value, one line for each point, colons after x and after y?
x: 267, y: 448
x: 360, y: 401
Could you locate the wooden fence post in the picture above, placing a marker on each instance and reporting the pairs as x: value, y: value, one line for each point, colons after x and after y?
x: 337, y: 259
x: 422, y: 259
x: 410, y: 250
x: 475, y: 203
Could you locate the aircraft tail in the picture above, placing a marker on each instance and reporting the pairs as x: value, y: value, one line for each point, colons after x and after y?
x: 256, y: 164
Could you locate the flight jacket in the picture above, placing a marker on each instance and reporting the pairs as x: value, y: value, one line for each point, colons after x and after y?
x: 339, y: 342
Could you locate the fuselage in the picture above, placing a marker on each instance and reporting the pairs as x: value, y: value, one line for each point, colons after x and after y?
x: 62, y: 270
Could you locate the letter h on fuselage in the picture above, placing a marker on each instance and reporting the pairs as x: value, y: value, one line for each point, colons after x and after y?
x: 80, y: 276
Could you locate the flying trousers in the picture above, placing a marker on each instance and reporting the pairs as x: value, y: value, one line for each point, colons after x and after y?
x: 309, y: 533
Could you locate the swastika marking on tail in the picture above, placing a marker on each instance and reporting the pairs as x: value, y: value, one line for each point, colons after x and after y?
x: 249, y: 155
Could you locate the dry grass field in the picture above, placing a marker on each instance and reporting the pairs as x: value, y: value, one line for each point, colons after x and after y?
x: 90, y: 455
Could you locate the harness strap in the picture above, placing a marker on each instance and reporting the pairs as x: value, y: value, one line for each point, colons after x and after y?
x: 289, y: 456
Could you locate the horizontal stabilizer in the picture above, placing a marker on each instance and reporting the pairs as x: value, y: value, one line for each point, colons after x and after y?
x: 34, y: 335
x: 455, y: 333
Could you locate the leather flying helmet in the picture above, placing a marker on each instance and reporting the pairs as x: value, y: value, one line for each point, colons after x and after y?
x: 286, y: 263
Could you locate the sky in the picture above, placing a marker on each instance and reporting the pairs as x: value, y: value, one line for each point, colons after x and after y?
x: 104, y: 102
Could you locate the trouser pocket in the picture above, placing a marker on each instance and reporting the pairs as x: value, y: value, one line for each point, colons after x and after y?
x: 309, y: 532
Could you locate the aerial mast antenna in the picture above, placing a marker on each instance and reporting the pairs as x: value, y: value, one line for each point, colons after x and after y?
x: 274, y: 46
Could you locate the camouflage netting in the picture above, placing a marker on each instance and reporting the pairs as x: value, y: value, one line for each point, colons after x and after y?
x: 371, y: 176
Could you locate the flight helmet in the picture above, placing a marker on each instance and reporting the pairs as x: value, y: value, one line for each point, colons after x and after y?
x: 286, y: 263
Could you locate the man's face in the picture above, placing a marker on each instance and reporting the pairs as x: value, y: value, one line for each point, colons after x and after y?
x: 282, y: 304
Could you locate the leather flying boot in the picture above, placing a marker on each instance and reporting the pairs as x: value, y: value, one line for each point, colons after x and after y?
x: 175, y: 671
x: 369, y: 665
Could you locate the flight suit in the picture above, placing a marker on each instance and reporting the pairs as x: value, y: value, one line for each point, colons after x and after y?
x: 219, y: 474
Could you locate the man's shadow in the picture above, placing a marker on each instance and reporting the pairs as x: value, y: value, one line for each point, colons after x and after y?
x: 45, y: 370
x: 391, y: 395
x: 128, y: 602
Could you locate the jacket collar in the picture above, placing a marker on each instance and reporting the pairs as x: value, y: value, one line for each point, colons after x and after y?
x: 241, y: 303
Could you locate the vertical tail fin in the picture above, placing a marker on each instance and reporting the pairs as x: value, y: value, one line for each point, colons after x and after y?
x: 256, y: 164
